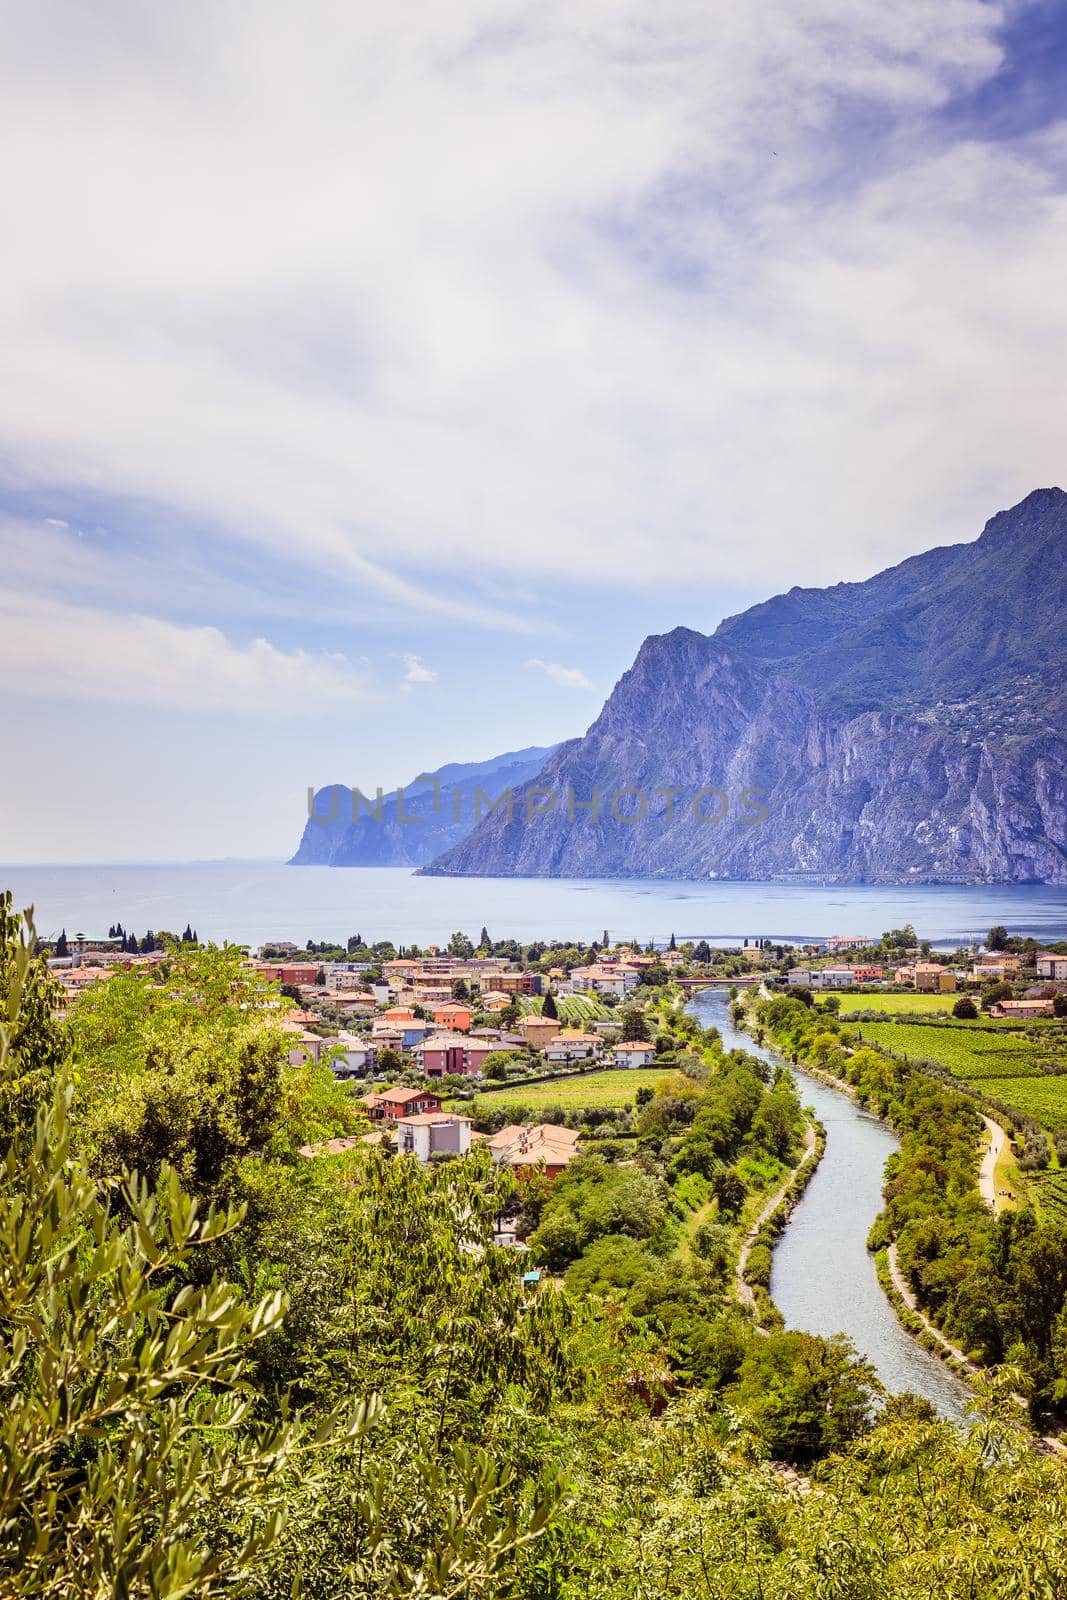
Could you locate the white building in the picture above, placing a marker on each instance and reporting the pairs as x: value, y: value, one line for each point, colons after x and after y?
x: 634, y: 1053
x: 351, y: 1056
x: 1050, y: 965
x: 834, y: 978
x: 433, y: 1133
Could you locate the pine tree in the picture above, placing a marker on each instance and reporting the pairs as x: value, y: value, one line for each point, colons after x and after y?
x: 673, y: 944
x: 187, y: 936
x: 549, y: 1008
x: 61, y: 944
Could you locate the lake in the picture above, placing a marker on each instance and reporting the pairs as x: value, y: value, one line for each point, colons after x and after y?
x: 253, y: 902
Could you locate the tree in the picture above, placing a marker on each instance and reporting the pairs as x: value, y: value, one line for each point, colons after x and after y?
x: 702, y: 953
x: 121, y: 1369
x: 672, y: 945
x: 389, y: 1060
x: 1059, y: 1005
x: 995, y: 992
x: 634, y: 1025
x: 997, y: 937
x: 62, y: 948
x: 965, y: 1009
x: 484, y: 941
x: 729, y: 1189
x: 355, y: 942
x: 460, y: 991
x: 549, y: 1009
x: 460, y: 945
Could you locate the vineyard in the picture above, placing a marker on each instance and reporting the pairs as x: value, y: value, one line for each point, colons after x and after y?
x: 1051, y: 1192
x: 1005, y: 1066
x: 576, y: 1010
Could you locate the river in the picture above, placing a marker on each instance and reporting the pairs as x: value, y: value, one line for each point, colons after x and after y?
x: 823, y: 1279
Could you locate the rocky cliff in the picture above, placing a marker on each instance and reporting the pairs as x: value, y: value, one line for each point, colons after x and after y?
x: 408, y: 827
x: 904, y: 729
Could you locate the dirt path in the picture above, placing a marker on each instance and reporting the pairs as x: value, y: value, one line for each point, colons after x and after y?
x: 744, y: 1293
x: 987, y: 1172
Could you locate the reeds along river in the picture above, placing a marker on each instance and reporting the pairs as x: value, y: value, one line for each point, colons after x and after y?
x: 823, y: 1279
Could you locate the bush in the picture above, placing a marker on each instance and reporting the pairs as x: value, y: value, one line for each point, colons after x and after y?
x: 965, y: 1009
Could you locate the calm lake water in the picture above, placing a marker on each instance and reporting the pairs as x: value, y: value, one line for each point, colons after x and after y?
x: 250, y: 903
x: 823, y: 1280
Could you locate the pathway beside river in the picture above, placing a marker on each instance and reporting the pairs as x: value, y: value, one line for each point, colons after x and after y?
x: 823, y: 1278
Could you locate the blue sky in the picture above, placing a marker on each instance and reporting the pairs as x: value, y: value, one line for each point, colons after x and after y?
x: 375, y: 383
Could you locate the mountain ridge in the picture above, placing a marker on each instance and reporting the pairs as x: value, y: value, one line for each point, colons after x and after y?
x: 915, y: 739
x: 436, y: 814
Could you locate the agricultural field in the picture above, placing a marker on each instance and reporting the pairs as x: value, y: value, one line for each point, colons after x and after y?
x: 910, y: 1003
x: 575, y: 1010
x: 1006, y: 1066
x: 612, y: 1087
x: 1050, y: 1189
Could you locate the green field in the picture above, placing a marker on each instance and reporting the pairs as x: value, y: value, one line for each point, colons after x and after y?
x: 1050, y: 1189
x: 577, y: 1010
x: 896, y: 1003
x: 615, y: 1086
x: 1005, y: 1066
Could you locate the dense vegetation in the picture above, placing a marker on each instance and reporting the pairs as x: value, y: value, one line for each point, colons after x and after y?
x: 247, y: 1373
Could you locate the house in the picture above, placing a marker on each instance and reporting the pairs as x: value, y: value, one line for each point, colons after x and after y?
x: 1023, y: 1008
x: 1003, y: 960
x: 433, y: 1133
x: 525, y: 1148
x: 456, y: 1053
x: 410, y: 1033
x: 352, y: 1001
x: 798, y: 978
x: 294, y: 972
x: 572, y: 1045
x: 1050, y: 965
x: 834, y: 978
x: 931, y: 978
x: 301, y: 1045
x: 869, y: 974
x: 517, y: 982
x: 634, y: 1053
x: 495, y: 1000
x: 618, y: 981
x: 452, y: 1016
x: 539, y: 1031
x: 351, y: 1056
x: 838, y: 943
x: 389, y: 1105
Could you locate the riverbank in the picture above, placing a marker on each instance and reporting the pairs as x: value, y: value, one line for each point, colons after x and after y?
x: 752, y: 1287
x: 822, y: 1277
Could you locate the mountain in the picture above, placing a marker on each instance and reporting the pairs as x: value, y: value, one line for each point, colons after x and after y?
x: 444, y: 808
x: 905, y: 729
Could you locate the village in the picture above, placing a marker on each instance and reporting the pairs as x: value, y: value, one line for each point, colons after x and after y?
x: 420, y: 1037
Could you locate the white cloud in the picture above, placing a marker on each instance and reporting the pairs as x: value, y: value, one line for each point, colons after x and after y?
x: 52, y: 649
x: 417, y: 671
x: 486, y: 288
x: 567, y: 677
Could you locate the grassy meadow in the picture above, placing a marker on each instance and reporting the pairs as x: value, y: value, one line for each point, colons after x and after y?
x: 615, y: 1086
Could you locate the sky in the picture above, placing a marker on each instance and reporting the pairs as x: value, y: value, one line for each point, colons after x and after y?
x: 376, y: 378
